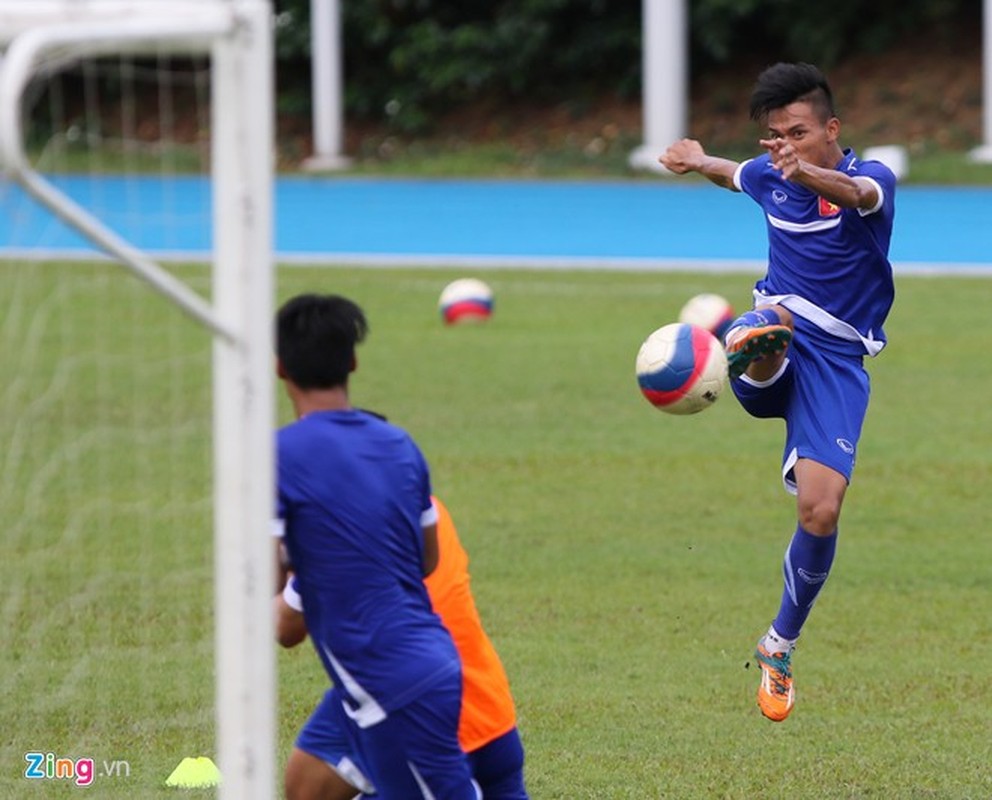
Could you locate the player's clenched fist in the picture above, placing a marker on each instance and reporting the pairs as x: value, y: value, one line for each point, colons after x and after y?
x: 683, y: 156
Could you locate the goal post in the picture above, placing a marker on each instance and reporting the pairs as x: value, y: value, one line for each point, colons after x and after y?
x: 236, y: 37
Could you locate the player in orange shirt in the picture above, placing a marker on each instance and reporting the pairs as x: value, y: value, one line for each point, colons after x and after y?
x: 322, y: 766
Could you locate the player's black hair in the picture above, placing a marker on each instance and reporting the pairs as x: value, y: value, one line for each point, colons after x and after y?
x: 316, y: 337
x: 782, y: 84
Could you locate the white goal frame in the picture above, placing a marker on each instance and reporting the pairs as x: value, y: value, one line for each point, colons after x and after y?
x: 237, y: 37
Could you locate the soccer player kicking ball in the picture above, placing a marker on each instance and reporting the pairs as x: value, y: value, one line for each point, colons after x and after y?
x: 818, y: 311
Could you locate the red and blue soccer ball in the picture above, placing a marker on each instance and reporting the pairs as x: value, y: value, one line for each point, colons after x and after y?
x: 710, y: 311
x: 466, y: 300
x: 681, y: 368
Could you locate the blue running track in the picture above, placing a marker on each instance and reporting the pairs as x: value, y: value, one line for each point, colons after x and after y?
x: 649, y: 224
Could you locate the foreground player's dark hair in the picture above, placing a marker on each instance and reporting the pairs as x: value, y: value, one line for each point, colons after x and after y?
x: 782, y: 84
x: 316, y: 337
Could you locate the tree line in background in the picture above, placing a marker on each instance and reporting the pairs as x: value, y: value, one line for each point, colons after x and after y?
x: 407, y: 61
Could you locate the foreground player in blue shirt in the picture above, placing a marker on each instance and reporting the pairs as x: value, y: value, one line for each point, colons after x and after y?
x: 359, y: 530
x: 818, y: 311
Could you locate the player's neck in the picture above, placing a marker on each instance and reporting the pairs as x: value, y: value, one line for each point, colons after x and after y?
x: 308, y: 401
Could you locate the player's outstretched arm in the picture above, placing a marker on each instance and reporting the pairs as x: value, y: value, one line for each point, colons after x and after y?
x: 688, y: 155
x: 830, y: 184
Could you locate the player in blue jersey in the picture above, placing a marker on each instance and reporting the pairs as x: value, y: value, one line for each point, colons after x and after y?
x: 358, y: 528
x: 323, y: 767
x: 818, y: 311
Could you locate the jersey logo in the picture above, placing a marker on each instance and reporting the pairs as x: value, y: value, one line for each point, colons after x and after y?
x: 828, y: 209
x: 779, y: 196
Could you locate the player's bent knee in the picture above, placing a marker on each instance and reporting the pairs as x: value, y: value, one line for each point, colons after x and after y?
x: 821, y: 493
x: 819, y: 518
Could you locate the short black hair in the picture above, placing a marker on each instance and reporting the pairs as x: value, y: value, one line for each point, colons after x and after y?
x: 782, y: 84
x: 316, y: 337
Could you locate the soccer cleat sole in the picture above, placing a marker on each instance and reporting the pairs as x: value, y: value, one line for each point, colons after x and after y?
x: 755, y: 344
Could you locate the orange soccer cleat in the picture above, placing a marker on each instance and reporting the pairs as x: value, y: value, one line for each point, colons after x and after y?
x: 776, y: 694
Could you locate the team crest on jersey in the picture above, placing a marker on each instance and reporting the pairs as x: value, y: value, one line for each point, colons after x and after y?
x: 828, y: 209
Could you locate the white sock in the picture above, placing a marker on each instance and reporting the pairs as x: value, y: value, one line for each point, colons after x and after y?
x: 778, y: 644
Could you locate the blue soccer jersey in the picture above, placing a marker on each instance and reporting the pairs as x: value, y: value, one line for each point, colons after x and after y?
x: 353, y: 495
x: 827, y: 264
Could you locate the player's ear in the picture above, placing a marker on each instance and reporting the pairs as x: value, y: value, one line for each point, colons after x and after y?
x: 833, y: 129
x: 354, y: 364
x: 281, y: 370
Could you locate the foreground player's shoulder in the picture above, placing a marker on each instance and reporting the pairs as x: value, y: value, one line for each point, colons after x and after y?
x: 397, y: 439
x: 289, y: 436
x: 378, y: 425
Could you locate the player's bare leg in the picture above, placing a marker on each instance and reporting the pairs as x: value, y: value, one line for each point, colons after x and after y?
x: 820, y: 492
x: 309, y: 778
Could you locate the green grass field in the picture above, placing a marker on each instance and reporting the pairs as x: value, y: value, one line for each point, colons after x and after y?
x: 624, y: 561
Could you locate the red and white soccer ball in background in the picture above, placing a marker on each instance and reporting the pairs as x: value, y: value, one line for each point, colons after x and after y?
x: 709, y: 311
x: 681, y: 369
x: 466, y: 300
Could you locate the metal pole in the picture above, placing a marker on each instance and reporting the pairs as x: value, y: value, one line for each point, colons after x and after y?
x: 244, y: 406
x: 666, y: 78
x: 327, y: 65
x: 983, y: 153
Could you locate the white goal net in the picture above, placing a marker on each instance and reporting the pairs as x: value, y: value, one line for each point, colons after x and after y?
x: 136, y: 408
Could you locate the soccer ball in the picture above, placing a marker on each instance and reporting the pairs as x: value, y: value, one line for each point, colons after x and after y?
x: 466, y: 300
x: 709, y: 311
x: 681, y: 369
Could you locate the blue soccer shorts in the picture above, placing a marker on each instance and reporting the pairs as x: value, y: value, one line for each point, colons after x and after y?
x: 498, y: 767
x: 324, y: 737
x: 412, y: 753
x: 822, y: 394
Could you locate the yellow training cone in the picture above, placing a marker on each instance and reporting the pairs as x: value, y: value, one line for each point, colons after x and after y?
x: 194, y: 773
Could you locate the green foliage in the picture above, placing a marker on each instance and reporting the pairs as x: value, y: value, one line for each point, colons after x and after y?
x: 783, y: 30
x: 407, y: 61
